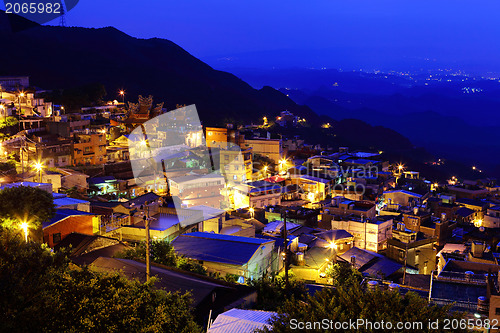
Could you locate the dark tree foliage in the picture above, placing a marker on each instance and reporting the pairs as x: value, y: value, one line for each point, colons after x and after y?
x: 349, y: 301
x: 343, y: 274
x: 29, y: 204
x: 163, y: 253
x: 271, y: 292
x: 40, y: 292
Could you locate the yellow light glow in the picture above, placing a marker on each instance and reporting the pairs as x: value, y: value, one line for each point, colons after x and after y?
x: 2, y: 106
x: 24, y: 227
x: 332, y: 245
x: 38, y: 166
x: 21, y: 94
x: 122, y: 92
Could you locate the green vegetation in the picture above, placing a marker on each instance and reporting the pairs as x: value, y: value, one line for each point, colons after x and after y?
x: 7, y: 122
x: 349, y: 301
x: 25, y: 204
x: 41, y: 292
x: 343, y: 274
x: 163, y: 253
x: 272, y: 294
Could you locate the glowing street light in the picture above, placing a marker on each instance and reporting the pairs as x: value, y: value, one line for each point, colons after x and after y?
x: 24, y: 227
x: 122, y: 94
x: 38, y: 167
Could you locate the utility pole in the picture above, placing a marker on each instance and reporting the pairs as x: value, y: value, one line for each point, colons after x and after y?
x: 285, y: 239
x: 406, y: 256
x: 146, y: 222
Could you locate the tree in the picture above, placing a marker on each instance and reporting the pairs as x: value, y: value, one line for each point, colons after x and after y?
x: 349, y: 301
x: 343, y: 273
x: 163, y: 253
x: 25, y: 204
x: 41, y: 292
x: 271, y: 291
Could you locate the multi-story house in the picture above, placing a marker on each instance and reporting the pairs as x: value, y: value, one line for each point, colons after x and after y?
x: 52, y: 150
x: 236, y: 164
x: 369, y: 234
x: 270, y: 148
x: 492, y: 218
x: 198, y: 190
x: 89, y: 148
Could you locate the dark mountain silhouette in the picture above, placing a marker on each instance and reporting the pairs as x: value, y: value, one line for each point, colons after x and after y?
x: 59, y: 57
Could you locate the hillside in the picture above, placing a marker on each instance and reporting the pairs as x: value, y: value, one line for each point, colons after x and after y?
x: 59, y: 57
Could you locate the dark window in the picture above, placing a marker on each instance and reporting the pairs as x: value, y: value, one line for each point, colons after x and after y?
x: 56, y: 238
x: 497, y: 311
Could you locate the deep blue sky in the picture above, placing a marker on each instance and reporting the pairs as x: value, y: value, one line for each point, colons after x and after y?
x: 449, y: 30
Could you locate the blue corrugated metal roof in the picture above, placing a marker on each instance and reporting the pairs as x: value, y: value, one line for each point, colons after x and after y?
x: 62, y: 214
x: 241, y: 321
x: 226, y: 249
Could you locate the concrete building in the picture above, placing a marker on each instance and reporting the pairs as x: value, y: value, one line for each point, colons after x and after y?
x: 256, y: 195
x: 412, y: 248
x: 248, y: 258
x: 89, y: 148
x: 492, y: 218
x: 236, y: 164
x: 270, y: 148
x: 198, y: 190
x: 369, y: 234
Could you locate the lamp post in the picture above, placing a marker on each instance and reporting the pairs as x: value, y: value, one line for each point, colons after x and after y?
x: 24, y: 226
x: 333, y: 246
x: 122, y: 94
x: 21, y: 94
x: 146, y: 223
x: 39, y: 167
x: 287, y: 254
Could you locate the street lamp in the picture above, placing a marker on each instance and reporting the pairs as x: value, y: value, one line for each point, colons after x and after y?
x: 122, y: 94
x: 24, y: 226
x: 38, y: 167
x: 146, y: 219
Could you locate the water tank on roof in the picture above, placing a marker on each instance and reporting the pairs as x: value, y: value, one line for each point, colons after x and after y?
x: 300, y: 258
x: 443, y: 217
x: 394, y: 287
x: 371, y: 285
x: 469, y: 275
x: 482, y: 304
x: 353, y: 260
x: 415, y: 211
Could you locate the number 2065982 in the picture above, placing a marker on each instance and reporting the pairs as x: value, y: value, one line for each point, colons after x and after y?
x: 33, y: 8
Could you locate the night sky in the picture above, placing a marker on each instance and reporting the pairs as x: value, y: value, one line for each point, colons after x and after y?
x: 463, y: 32
x: 450, y: 30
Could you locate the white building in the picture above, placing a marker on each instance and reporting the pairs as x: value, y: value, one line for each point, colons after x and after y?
x: 370, y: 235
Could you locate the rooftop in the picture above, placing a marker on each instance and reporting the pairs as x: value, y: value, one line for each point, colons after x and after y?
x: 226, y: 249
x: 239, y: 320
